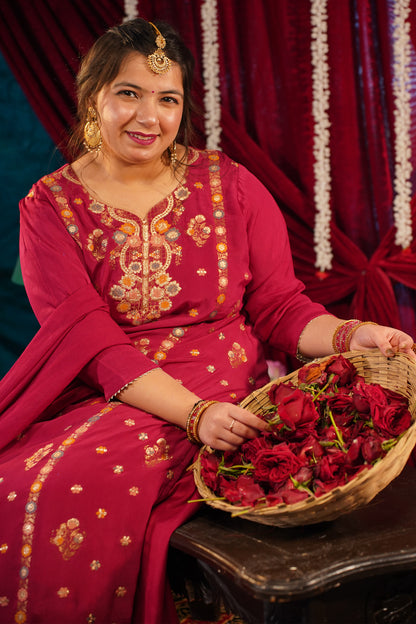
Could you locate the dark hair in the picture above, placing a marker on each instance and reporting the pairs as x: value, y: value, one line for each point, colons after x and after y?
x: 103, y: 61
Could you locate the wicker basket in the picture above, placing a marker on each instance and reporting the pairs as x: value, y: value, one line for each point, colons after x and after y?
x: 398, y: 374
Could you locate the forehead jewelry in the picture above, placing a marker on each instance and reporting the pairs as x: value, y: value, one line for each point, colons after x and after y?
x: 158, y: 62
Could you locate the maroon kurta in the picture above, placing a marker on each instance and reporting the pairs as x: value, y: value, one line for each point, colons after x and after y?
x: 90, y: 489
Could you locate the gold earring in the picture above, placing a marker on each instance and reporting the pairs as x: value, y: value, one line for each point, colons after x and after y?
x: 173, y: 154
x: 92, y: 135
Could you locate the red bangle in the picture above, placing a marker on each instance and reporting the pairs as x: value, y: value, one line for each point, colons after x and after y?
x: 193, y: 419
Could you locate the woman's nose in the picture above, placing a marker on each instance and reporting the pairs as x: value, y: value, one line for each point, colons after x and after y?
x: 146, y: 112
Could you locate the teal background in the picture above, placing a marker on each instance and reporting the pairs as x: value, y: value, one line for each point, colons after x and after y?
x: 26, y: 153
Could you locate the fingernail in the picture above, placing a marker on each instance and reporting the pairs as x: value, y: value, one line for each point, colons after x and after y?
x: 390, y: 352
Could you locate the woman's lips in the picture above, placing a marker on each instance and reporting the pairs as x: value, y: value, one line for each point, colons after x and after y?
x: 142, y: 139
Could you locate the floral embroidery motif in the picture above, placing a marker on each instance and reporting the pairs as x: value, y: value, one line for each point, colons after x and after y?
x: 66, y: 212
x: 63, y: 592
x: 133, y: 491
x: 237, y: 355
x: 157, y: 453
x: 4, y: 601
x: 68, y: 538
x: 97, y: 244
x: 12, y: 496
x: 36, y: 457
x: 76, y: 489
x: 145, y: 290
x: 199, y: 230
x: 3, y: 549
x: 118, y: 469
x: 95, y: 565
x: 125, y: 540
x: 220, y: 229
x: 168, y: 343
x: 31, y: 509
x: 101, y: 450
x: 121, y: 591
x: 201, y: 272
x: 101, y: 513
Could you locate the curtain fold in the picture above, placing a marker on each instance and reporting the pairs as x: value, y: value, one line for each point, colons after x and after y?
x: 267, y: 123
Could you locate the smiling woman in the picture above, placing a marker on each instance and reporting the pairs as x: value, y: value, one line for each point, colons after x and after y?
x: 157, y: 272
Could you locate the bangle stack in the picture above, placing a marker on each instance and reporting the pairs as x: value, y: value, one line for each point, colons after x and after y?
x: 194, y: 417
x: 341, y: 339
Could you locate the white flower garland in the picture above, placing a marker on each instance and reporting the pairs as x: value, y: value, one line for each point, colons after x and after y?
x: 131, y: 10
x: 210, y: 73
x: 320, y: 108
x: 402, y: 120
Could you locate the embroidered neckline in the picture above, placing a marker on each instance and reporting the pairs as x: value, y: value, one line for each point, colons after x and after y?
x: 180, y: 192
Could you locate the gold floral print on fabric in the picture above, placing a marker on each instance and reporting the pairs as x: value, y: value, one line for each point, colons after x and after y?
x: 38, y: 456
x: 217, y: 200
x: 97, y: 244
x: 65, y: 211
x: 168, y: 343
x: 156, y: 453
x: 199, y: 230
x: 31, y: 506
x: 68, y: 538
x: 237, y: 355
x: 145, y: 252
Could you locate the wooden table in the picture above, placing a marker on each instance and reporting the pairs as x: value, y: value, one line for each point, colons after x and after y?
x: 356, y: 569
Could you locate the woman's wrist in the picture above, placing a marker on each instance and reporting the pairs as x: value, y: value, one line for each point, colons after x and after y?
x: 194, y: 416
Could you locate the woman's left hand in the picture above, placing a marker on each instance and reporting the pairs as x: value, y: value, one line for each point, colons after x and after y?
x: 387, y: 339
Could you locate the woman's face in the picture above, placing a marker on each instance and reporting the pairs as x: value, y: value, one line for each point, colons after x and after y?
x: 140, y: 112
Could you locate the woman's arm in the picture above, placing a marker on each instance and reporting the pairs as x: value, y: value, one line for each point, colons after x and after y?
x: 316, y: 339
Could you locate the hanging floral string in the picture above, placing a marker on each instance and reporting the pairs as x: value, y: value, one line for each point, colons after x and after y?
x: 402, y: 120
x: 320, y: 108
x: 210, y: 73
x: 131, y: 10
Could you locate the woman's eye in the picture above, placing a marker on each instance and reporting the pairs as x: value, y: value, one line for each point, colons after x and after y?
x: 127, y: 92
x: 169, y: 98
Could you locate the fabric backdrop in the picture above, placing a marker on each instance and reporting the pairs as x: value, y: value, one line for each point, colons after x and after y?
x: 267, y: 122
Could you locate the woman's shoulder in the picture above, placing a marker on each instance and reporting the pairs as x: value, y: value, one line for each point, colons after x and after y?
x: 62, y: 181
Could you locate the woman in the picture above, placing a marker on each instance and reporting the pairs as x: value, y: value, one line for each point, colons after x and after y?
x: 157, y: 273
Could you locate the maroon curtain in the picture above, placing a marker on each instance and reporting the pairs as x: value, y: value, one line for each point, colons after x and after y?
x: 266, y: 93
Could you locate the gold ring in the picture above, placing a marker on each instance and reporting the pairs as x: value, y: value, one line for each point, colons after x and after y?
x: 232, y: 424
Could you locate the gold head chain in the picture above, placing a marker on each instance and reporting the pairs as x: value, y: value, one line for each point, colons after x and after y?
x: 158, y: 62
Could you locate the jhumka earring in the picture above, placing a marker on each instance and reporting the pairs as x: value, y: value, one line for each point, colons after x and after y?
x: 92, y: 135
x: 173, y: 155
x: 158, y: 62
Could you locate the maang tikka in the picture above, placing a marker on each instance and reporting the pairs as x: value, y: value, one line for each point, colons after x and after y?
x: 158, y: 62
x: 92, y: 135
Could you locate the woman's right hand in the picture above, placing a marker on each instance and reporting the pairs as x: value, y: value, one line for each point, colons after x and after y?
x: 224, y: 426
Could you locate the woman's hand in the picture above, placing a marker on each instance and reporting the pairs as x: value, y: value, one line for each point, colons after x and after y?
x: 225, y: 426
x: 387, y: 339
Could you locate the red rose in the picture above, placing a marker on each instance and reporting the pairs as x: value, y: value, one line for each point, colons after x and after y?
x: 243, y: 490
x: 343, y: 371
x: 371, y: 448
x: 297, y: 410
x: 278, y: 392
x: 391, y: 420
x: 275, y: 465
x: 290, y: 494
x: 342, y: 408
x: 209, y: 468
x: 251, y: 448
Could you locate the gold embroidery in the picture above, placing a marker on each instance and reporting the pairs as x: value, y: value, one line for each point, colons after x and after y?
x: 97, y: 244
x: 220, y: 229
x: 63, y: 592
x: 121, y: 591
x: 237, y: 355
x: 66, y: 213
x: 31, y: 510
x: 68, y: 538
x: 157, y: 453
x: 36, y: 457
x: 199, y: 230
x: 145, y: 290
